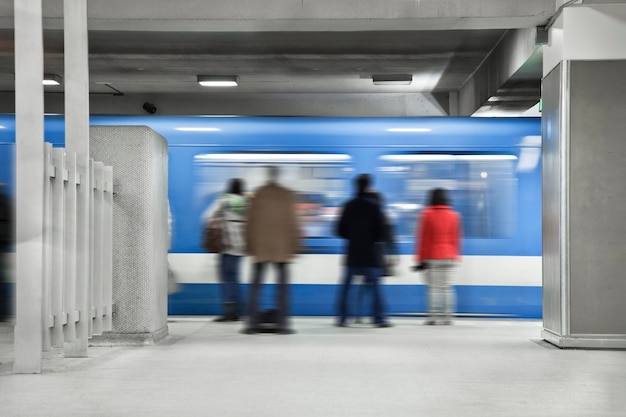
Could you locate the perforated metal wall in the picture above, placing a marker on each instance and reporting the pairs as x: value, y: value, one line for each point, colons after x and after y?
x: 139, y: 159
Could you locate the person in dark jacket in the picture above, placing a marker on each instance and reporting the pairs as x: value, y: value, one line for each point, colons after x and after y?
x: 438, y: 250
x: 6, y: 241
x: 362, y: 224
x: 389, y: 253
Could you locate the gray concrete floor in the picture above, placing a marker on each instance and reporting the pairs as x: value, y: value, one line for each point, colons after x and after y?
x: 474, y: 368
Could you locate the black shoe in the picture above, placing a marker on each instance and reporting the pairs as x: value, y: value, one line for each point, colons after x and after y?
x: 231, y: 312
x: 249, y: 330
x: 383, y: 325
x: 341, y: 325
x: 285, y: 331
x: 222, y: 319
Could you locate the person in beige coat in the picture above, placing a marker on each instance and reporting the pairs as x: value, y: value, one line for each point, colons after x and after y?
x: 272, y: 236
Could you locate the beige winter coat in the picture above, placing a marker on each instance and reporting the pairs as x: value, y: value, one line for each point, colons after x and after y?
x: 273, y: 233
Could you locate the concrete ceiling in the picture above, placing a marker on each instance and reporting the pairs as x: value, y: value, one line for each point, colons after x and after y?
x: 150, y: 61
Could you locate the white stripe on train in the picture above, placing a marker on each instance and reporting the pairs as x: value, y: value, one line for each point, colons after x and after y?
x: 326, y: 269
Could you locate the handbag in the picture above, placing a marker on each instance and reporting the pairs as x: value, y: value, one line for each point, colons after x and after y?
x: 389, y: 265
x: 214, y: 237
x: 422, y: 266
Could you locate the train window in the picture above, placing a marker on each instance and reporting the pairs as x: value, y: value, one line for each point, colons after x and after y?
x: 321, y: 182
x: 482, y: 187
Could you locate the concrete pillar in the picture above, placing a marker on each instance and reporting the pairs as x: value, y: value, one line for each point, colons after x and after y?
x: 76, y: 55
x: 29, y: 184
x: 139, y: 159
x: 584, y: 198
x: 76, y: 85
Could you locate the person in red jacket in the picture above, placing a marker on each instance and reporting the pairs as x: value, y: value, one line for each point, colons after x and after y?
x: 437, y: 250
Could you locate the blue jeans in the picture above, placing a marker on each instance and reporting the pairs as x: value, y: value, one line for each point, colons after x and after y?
x: 372, y: 279
x: 229, y: 274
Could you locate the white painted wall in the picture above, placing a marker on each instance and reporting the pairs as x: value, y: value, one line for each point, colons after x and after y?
x: 587, y: 33
x: 553, y: 51
x: 595, y: 33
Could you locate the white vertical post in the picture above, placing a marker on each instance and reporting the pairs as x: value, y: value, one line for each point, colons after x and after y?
x: 73, y: 346
x: 107, y: 248
x: 76, y: 54
x: 90, y: 229
x: 58, y: 246
x: 76, y: 85
x: 97, y: 246
x: 83, y: 304
x: 29, y: 181
x: 47, y: 317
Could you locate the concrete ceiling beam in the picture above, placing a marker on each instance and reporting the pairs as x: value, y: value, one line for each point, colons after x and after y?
x: 511, y: 63
x: 298, y: 15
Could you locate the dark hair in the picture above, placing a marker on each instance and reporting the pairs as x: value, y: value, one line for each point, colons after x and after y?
x: 363, y: 182
x: 439, y: 197
x: 235, y: 186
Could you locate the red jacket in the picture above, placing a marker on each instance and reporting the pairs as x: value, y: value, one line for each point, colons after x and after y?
x: 438, y: 234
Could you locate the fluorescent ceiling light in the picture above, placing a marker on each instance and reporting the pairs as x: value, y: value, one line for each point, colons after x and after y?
x: 198, y: 129
x: 486, y: 157
x: 218, y: 80
x: 51, y: 79
x: 392, y: 79
x: 272, y: 157
x: 408, y: 129
x: 441, y: 157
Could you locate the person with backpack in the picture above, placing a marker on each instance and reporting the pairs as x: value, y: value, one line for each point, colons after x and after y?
x: 229, y: 216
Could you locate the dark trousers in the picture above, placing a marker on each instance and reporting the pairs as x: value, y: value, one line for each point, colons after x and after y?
x: 6, y: 297
x: 372, y: 281
x: 229, y: 274
x: 282, y: 294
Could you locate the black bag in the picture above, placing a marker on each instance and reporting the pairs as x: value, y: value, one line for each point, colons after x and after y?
x: 389, y: 265
x: 420, y: 267
x: 390, y: 252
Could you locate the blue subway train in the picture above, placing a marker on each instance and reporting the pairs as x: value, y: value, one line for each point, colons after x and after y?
x: 491, y: 167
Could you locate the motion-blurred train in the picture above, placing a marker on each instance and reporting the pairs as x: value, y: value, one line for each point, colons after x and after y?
x: 492, y: 168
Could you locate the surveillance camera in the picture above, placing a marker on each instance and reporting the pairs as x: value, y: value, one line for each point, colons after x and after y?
x: 149, y: 107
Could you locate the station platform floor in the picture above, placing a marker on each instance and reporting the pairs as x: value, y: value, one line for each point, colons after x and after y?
x: 476, y: 368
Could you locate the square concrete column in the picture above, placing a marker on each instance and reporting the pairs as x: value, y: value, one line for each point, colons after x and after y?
x: 584, y: 202
x: 139, y: 158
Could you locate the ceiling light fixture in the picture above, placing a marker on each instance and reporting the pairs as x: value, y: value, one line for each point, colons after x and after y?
x: 198, y: 129
x: 51, y: 79
x: 273, y: 157
x: 392, y: 79
x: 408, y: 129
x: 218, y: 80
